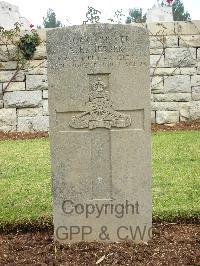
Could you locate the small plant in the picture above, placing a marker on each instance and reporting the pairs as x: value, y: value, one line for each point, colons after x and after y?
x: 27, y: 45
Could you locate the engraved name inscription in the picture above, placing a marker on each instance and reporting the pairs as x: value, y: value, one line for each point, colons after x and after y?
x: 100, y: 112
x: 89, y: 51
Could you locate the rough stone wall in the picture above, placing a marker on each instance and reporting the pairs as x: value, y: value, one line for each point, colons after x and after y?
x: 175, y: 80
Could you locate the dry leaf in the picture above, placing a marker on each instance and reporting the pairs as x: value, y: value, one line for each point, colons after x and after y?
x: 101, y: 259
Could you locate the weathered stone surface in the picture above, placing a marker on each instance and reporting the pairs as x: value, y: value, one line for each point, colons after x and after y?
x: 157, y: 60
x: 156, y: 42
x: 157, y: 85
x: 156, y: 51
x: 38, y: 63
x: 37, y: 71
x: 11, y: 65
x: 169, y: 106
x: 195, y: 80
x: 172, y: 97
x: 36, y: 82
x: 1, y: 91
x: 198, y: 53
x: 8, y: 120
x: 187, y: 70
x: 196, y: 94
x: 189, y: 41
x: 42, y: 34
x: 187, y: 27
x: 14, y: 86
x: 180, y: 57
x: 31, y: 124
x: 1, y: 103
x: 29, y: 112
x: 167, y: 71
x: 7, y: 53
x: 100, y: 151
x: 198, y: 67
x: 184, y: 113
x: 179, y: 83
x: 45, y: 94
x: 194, y: 110
x: 6, y: 76
x: 171, y: 41
x: 45, y: 107
x: 22, y: 99
x: 40, y: 53
x: 166, y: 117
x: 161, y: 28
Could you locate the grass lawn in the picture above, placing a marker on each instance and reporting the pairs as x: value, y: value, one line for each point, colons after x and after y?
x: 25, y: 184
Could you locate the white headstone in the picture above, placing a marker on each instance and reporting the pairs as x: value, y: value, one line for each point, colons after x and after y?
x: 99, y: 99
x: 9, y: 15
x: 160, y: 13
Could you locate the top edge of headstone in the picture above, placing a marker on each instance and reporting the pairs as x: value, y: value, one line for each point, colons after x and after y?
x: 83, y: 27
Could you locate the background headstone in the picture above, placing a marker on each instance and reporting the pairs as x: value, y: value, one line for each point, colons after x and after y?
x: 99, y: 103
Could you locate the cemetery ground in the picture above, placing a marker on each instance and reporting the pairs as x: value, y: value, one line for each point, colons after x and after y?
x: 26, y: 214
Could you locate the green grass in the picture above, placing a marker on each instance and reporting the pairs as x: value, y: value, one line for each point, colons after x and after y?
x: 25, y: 184
x: 176, y: 174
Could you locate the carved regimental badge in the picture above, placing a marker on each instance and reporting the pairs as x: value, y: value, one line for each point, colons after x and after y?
x: 100, y: 111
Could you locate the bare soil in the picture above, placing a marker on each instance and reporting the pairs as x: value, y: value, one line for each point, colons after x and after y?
x: 172, y: 244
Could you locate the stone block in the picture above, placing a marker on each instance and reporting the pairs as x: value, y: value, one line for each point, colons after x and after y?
x: 180, y: 57
x: 161, y: 28
x: 8, y: 120
x: 195, y: 110
x: 45, y: 107
x: 172, y: 97
x: 198, y: 68
x: 167, y: 117
x: 42, y: 34
x: 26, y: 112
x: 188, y: 70
x: 187, y: 27
x: 22, y: 99
x: 189, y: 41
x: 1, y: 91
x: 164, y: 71
x: 38, y: 63
x: 14, y: 86
x: 156, y: 42
x: 36, y: 82
x: 36, y: 71
x: 6, y: 76
x: 157, y: 85
x: 156, y: 51
x: 1, y: 103
x: 196, y: 93
x: 33, y: 124
x: 198, y: 54
x: 40, y: 53
x: 184, y: 113
x: 169, y: 106
x: 7, y: 53
x: 179, y: 83
x: 45, y: 94
x: 195, y: 80
x: 171, y: 41
x: 11, y: 65
x: 157, y: 60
